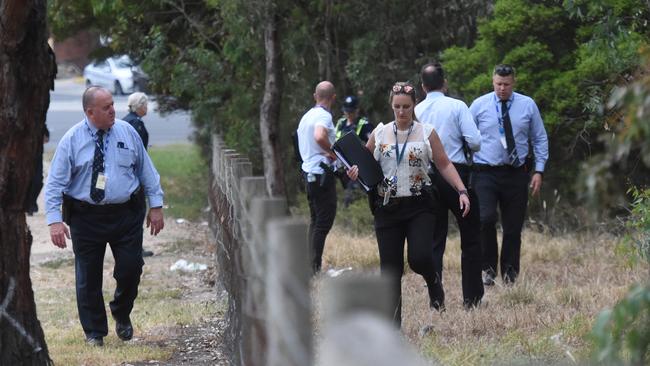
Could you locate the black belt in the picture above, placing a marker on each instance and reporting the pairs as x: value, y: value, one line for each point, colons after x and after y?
x: 403, y: 198
x: 85, y: 207
x: 486, y: 167
x: 79, y: 206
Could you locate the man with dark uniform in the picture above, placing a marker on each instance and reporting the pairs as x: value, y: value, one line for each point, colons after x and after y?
x: 352, y: 121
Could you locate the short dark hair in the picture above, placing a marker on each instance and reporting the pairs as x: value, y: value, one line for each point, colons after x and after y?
x: 433, y: 76
x: 504, y: 70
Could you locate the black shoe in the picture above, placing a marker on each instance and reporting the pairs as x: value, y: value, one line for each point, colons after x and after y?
x: 509, y: 277
x: 124, y: 330
x: 471, y: 304
x: 95, y: 341
x: 488, y: 278
x: 437, y: 297
x: 147, y: 253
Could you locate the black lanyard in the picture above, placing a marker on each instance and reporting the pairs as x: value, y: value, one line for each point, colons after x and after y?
x: 400, y: 156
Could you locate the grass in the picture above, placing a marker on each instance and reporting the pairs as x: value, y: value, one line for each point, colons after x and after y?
x: 167, y: 302
x: 57, y: 263
x: 184, y: 178
x: 544, y: 318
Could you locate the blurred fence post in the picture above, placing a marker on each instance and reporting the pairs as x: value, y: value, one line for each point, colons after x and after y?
x: 358, y: 329
x: 264, y: 267
x: 262, y: 209
x: 289, y: 301
x: 346, y: 295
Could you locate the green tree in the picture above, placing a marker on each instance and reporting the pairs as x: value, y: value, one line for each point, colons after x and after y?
x: 569, y: 55
x: 209, y: 56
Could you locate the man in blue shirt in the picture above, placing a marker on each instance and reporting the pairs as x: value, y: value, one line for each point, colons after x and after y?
x: 508, y: 122
x: 454, y: 124
x: 98, y: 168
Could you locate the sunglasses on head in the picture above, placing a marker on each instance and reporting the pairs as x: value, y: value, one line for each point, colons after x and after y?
x: 504, y: 70
x: 407, y: 89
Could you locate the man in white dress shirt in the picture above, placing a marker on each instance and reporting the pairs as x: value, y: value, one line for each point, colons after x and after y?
x: 315, y: 138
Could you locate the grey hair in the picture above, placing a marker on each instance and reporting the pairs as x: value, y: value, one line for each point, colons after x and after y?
x: 136, y: 101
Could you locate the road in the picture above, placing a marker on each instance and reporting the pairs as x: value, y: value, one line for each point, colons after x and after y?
x: 65, y: 111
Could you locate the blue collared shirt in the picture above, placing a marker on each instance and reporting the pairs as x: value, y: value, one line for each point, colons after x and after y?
x: 126, y: 166
x: 453, y: 123
x: 527, y: 125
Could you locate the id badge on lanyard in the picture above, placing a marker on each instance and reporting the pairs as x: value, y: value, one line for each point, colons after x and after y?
x: 502, y: 131
x: 101, y: 182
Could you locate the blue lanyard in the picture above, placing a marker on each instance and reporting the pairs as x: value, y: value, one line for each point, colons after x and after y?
x: 400, y: 156
x: 497, y: 106
x: 96, y: 138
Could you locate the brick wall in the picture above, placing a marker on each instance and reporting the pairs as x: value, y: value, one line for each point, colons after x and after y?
x: 75, y: 49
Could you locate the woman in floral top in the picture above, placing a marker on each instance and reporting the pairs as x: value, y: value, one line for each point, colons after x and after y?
x: 404, y: 204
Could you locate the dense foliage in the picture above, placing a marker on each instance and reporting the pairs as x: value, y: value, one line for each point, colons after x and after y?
x: 208, y: 56
x: 569, y: 56
x: 622, y: 334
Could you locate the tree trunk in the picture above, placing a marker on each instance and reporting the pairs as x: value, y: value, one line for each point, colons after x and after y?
x: 270, y: 108
x: 27, y: 71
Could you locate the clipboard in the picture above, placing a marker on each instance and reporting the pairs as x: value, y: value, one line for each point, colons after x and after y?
x: 350, y: 150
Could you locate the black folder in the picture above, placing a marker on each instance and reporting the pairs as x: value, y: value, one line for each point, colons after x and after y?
x: 352, y: 151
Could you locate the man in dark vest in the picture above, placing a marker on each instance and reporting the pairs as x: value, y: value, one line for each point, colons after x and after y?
x: 352, y: 121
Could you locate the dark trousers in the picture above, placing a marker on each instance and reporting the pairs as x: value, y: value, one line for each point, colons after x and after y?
x: 409, y: 219
x: 322, y: 208
x: 507, y: 187
x: 35, y: 186
x: 90, y: 232
x: 470, y: 240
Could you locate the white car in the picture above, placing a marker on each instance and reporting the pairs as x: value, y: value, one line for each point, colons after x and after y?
x: 117, y: 74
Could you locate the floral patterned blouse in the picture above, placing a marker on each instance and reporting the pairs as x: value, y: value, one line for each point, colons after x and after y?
x: 406, y: 179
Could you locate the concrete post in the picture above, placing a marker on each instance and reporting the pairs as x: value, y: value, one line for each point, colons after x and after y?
x: 250, y: 187
x: 289, y: 301
x: 346, y: 295
x: 263, y: 209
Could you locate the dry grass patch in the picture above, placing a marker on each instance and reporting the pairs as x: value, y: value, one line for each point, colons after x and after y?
x: 343, y: 249
x: 565, y: 281
x: 166, y: 302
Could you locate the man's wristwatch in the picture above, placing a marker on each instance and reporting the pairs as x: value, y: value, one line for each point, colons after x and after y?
x: 539, y: 172
x: 463, y: 192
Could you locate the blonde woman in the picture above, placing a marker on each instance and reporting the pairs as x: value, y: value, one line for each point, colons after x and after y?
x: 404, y: 204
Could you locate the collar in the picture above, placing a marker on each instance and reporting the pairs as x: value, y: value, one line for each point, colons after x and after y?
x: 435, y: 94
x: 322, y: 106
x: 497, y: 100
x: 91, y: 127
